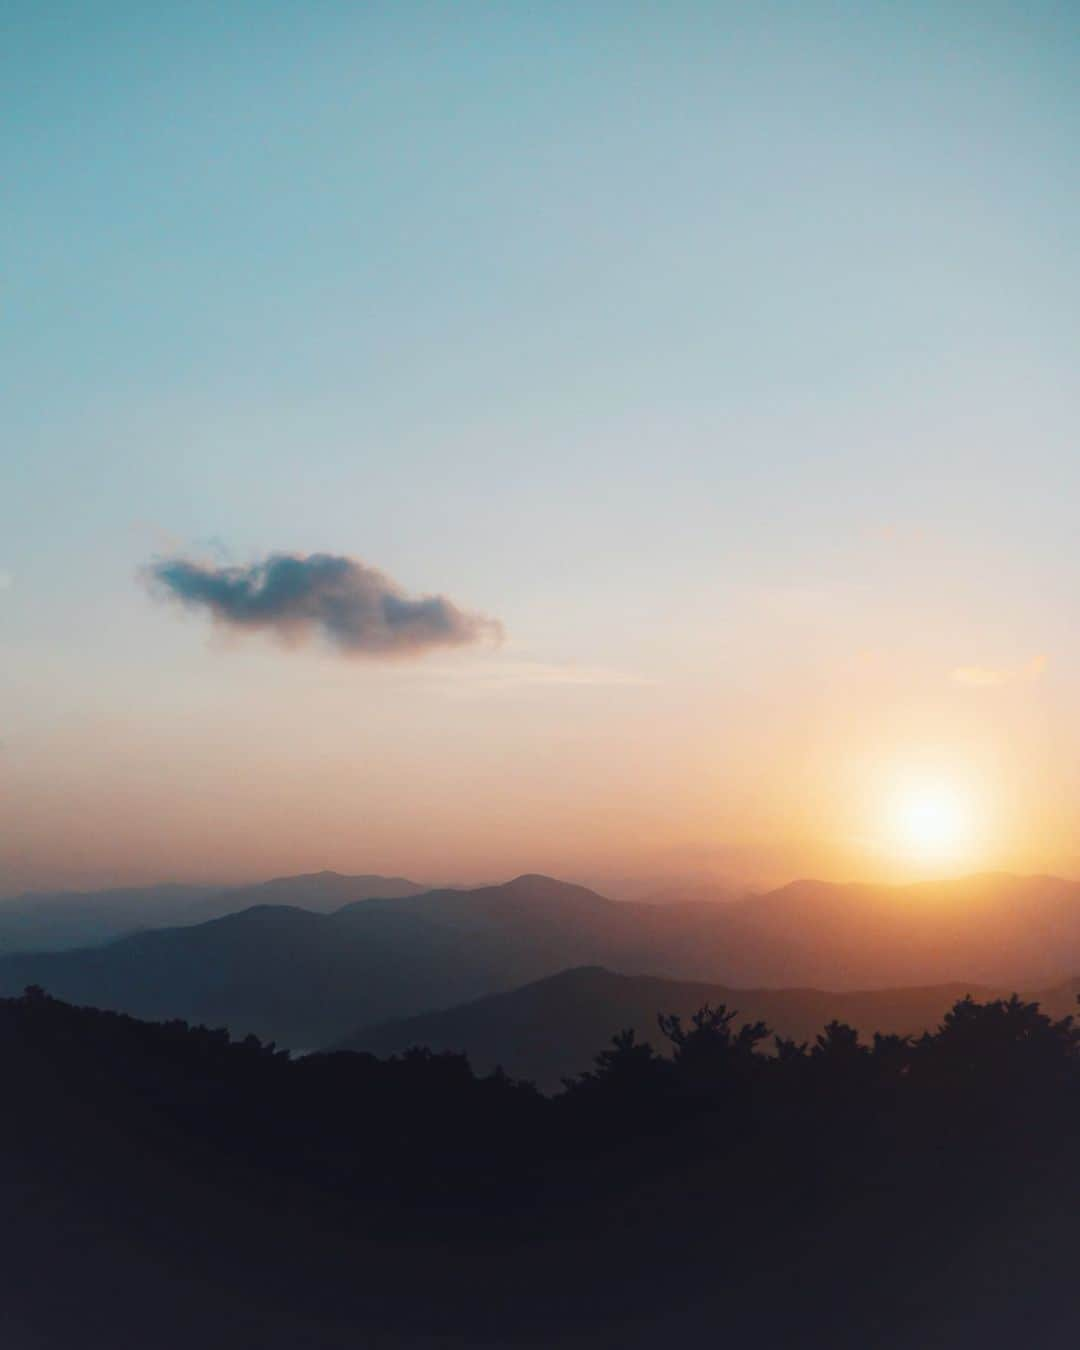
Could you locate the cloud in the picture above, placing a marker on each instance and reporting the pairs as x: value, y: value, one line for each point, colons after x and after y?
x: 990, y: 677
x: 355, y: 608
x: 6, y: 581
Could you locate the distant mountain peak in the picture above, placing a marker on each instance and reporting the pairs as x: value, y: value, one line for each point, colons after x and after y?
x: 536, y: 880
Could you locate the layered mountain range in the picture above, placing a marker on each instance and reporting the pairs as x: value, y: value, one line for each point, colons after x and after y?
x: 311, y: 961
x: 60, y: 920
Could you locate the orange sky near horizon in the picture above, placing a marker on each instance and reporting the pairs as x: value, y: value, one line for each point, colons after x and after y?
x: 484, y: 766
x: 659, y: 425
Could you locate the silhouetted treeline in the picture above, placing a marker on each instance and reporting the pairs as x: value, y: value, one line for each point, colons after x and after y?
x: 754, y: 1145
x: 433, y: 1126
x: 985, y: 1054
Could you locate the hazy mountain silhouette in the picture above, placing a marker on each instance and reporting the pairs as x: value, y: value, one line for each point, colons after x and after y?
x: 58, y: 921
x: 304, y: 978
x: 52, y: 921
x: 994, y: 929
x: 282, y: 972
x: 547, y: 1031
x: 307, y: 978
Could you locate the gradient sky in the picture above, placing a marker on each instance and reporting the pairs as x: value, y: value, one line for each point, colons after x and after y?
x: 725, y: 353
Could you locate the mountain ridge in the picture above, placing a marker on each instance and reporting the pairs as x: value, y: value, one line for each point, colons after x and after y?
x: 550, y: 1029
x: 305, y: 978
x: 63, y: 920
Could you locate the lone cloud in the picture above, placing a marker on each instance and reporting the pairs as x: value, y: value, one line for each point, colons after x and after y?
x: 356, y: 608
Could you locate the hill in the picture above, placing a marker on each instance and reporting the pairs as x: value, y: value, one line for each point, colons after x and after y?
x: 53, y: 921
x: 549, y: 1030
x: 304, y: 978
x: 61, y: 920
x: 187, y: 1190
x: 307, y: 978
x: 992, y: 929
x: 323, y: 892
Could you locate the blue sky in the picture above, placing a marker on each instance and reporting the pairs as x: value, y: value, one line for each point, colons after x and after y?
x: 709, y: 346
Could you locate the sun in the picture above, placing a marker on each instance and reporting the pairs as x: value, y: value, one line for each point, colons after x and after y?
x: 932, y: 822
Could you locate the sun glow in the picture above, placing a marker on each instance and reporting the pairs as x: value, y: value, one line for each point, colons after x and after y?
x: 932, y: 822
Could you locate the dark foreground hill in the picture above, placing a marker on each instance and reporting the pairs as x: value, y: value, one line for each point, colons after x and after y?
x: 307, y: 979
x: 549, y: 1030
x: 163, y: 1186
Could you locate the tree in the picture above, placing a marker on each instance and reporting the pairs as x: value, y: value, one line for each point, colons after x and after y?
x: 709, y: 1058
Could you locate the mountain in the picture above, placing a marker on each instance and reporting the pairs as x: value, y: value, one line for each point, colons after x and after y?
x: 322, y: 892
x: 993, y: 929
x: 303, y: 978
x: 39, y: 921
x: 550, y: 1030
x: 67, y: 919
x: 306, y: 978
x: 284, y: 973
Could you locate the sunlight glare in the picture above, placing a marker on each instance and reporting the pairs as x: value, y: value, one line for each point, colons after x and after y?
x: 932, y: 822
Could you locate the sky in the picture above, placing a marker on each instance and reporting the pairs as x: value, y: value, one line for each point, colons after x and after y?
x: 682, y: 394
